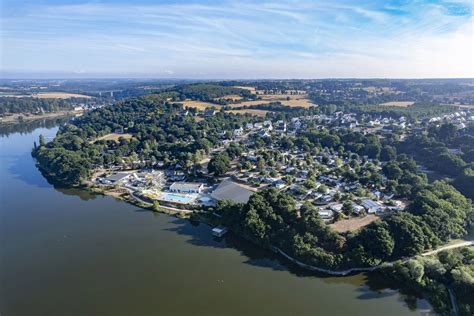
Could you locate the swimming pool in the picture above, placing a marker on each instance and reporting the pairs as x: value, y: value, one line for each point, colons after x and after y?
x: 172, y: 197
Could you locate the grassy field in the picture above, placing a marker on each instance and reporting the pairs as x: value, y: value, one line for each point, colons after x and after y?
x: 200, y: 105
x: 251, y: 89
x: 233, y: 97
x: 353, y: 224
x: 403, y: 104
x: 249, y: 111
x: 305, y: 103
x: 283, y: 96
x: 248, y: 103
x: 59, y: 95
x: 295, y: 101
x: 115, y: 136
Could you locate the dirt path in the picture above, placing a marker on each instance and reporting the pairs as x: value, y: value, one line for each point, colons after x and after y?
x: 366, y: 269
x: 456, y: 245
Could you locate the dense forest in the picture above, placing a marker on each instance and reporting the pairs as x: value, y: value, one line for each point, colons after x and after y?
x: 32, y: 105
x: 447, y: 151
x: 209, y: 92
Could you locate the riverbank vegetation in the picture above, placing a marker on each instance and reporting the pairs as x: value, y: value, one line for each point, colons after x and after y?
x: 12, y: 105
x: 434, y: 277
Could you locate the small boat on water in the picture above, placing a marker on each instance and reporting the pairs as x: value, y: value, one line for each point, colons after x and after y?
x: 219, y: 231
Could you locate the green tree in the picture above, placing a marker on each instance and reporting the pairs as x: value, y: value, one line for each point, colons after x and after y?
x: 219, y: 165
x: 42, y: 141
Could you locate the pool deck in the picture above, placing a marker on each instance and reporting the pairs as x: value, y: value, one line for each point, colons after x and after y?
x: 173, y: 197
x: 177, y: 197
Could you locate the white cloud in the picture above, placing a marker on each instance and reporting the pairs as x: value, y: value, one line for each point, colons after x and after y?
x: 291, y: 39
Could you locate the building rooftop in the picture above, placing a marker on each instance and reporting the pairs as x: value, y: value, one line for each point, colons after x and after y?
x: 117, y: 176
x: 229, y: 190
x: 186, y: 186
x: 370, y: 204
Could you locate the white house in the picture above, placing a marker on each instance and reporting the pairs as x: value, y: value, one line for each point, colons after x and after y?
x: 186, y: 187
x: 238, y: 131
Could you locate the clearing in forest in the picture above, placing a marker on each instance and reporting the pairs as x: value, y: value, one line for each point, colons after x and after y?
x: 402, y: 104
x: 251, y: 89
x: 115, y: 136
x: 200, y: 105
x: 353, y: 224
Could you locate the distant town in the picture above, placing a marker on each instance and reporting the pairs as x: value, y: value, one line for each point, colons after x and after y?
x: 294, y: 170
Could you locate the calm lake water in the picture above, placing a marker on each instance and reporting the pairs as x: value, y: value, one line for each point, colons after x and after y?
x: 68, y: 252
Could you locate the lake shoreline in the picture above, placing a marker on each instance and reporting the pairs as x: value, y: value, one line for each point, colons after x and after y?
x: 128, y: 197
x: 29, y: 117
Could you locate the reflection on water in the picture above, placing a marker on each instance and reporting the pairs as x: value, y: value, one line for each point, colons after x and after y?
x: 27, y: 127
x: 70, y: 252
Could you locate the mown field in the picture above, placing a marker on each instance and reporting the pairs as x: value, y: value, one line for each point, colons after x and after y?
x: 233, y: 97
x: 115, y: 136
x: 284, y: 99
x: 353, y: 224
x: 399, y: 103
x: 251, y: 89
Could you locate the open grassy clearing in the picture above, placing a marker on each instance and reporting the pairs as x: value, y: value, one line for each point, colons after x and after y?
x: 115, y: 136
x: 59, y: 95
x: 305, y: 103
x: 403, y: 104
x: 353, y: 224
x: 251, y: 89
x: 278, y: 97
x: 248, y: 103
x: 295, y: 100
x: 233, y: 97
x: 249, y: 111
x: 200, y: 105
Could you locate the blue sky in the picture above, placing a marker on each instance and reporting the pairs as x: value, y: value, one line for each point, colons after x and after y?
x: 237, y: 39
